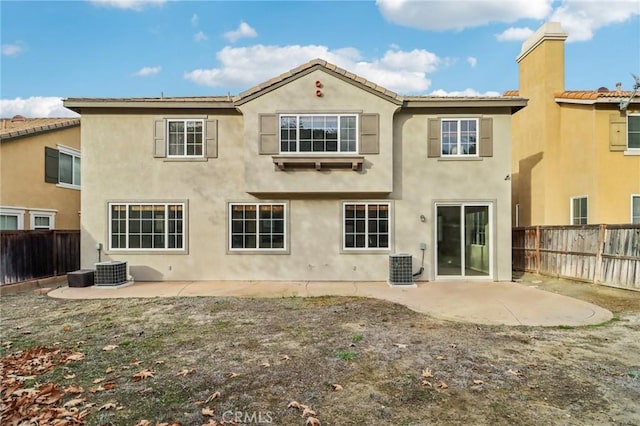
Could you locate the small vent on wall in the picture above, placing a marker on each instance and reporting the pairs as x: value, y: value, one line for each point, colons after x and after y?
x: 111, y: 273
x: 400, y: 269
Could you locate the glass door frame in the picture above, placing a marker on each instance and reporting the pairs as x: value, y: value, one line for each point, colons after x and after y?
x: 490, y: 236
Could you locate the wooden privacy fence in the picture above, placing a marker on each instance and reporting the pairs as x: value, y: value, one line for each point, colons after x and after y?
x: 603, y: 254
x: 28, y: 255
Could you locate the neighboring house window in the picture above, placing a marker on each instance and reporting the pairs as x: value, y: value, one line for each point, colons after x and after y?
x: 318, y: 133
x: 257, y: 226
x: 635, y: 208
x: 146, y: 226
x: 459, y: 137
x: 42, y: 219
x: 633, y: 132
x: 185, y: 138
x: 62, y: 166
x: 579, y: 211
x: 366, y: 225
x: 11, y: 219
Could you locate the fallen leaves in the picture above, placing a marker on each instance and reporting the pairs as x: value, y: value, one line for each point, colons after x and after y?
x: 185, y: 372
x: 232, y: 375
x: 400, y: 345
x: 143, y: 374
x: 206, y: 411
x: 336, y: 387
x: 426, y: 373
x: 110, y: 347
x: 212, y: 397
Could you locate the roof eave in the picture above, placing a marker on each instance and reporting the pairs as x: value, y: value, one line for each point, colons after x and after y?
x: 78, y: 104
x: 39, y: 130
x: 515, y: 104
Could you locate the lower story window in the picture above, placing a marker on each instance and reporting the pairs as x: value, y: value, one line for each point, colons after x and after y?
x: 257, y: 226
x: 366, y: 225
x: 11, y: 219
x: 146, y: 226
x: 635, y: 209
x: 579, y: 211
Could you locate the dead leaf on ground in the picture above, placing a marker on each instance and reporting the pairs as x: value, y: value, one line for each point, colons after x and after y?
x: 70, y: 376
x: 98, y: 380
x: 442, y: 385
x: 74, y: 402
x: 478, y: 382
x: 135, y: 362
x: 441, y: 358
x: 211, y: 422
x: 400, y: 345
x: 76, y: 356
x: 158, y: 362
x: 74, y: 389
x: 206, y: 411
x: 107, y: 406
x: 308, y: 412
x: 514, y: 372
x: 427, y: 383
x: 109, y: 347
x: 109, y: 370
x: 285, y: 358
x: 144, y: 374
x: 232, y: 375
x: 312, y: 421
x: 185, y: 372
x: 143, y: 423
x: 212, y: 397
x: 265, y: 365
x: 294, y: 404
x: 336, y: 387
x: 426, y: 373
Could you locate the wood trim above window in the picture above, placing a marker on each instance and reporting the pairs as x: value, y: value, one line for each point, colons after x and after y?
x: 288, y: 162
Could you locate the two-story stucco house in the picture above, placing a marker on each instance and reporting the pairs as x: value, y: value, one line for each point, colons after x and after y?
x: 317, y: 174
x: 39, y: 173
x: 576, y: 153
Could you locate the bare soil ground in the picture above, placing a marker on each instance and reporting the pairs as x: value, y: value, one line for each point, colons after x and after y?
x: 164, y: 360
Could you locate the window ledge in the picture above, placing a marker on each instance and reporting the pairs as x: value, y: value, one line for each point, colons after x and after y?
x: 68, y: 186
x: 632, y: 152
x: 460, y: 158
x: 184, y: 159
x: 287, y: 162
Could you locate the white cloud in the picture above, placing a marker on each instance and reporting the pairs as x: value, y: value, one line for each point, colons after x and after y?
x: 35, y: 107
x: 147, y: 71
x: 456, y: 15
x: 194, y: 20
x: 244, y: 31
x: 465, y: 92
x: 472, y: 61
x: 243, y: 67
x: 580, y: 19
x: 136, y: 5
x: 12, y: 49
x: 514, y: 34
x: 200, y: 36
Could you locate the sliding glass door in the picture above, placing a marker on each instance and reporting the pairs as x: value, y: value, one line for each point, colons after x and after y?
x: 463, y: 240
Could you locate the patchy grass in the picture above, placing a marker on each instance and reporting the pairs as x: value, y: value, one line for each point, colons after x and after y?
x: 163, y: 360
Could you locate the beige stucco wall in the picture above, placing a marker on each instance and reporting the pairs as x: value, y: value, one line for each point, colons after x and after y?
x: 22, y: 177
x: 299, y: 96
x: 118, y: 165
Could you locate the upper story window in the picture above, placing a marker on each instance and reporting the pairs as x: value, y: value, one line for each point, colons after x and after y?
x: 185, y: 138
x: 62, y: 166
x: 460, y: 137
x: 633, y: 132
x: 579, y: 211
x: 146, y: 226
x: 313, y: 133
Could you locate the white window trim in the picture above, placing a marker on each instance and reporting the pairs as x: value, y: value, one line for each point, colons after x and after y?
x: 184, y: 120
x: 284, y: 249
x: 49, y: 213
x: 166, y: 227
x: 74, y: 153
x: 631, y: 212
x: 629, y: 150
x: 319, y: 153
x: 14, y: 211
x: 571, y: 208
x: 458, y: 155
x: 366, y: 229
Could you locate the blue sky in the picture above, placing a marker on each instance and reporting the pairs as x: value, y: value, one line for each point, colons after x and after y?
x: 128, y: 48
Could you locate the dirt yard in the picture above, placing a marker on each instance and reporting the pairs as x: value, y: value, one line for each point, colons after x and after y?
x: 350, y: 361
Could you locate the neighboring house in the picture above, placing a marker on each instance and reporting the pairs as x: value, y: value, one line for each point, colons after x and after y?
x: 576, y: 154
x: 317, y: 174
x: 40, y: 173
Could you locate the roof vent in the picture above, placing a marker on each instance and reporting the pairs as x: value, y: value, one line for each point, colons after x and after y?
x: 18, y: 118
x: 602, y: 89
x: 618, y: 87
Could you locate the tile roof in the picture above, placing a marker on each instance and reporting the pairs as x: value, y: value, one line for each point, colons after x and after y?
x: 19, y: 126
x: 592, y: 95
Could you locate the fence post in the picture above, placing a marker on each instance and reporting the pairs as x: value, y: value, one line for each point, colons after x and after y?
x: 601, y: 236
x: 538, y: 249
x: 54, y: 252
